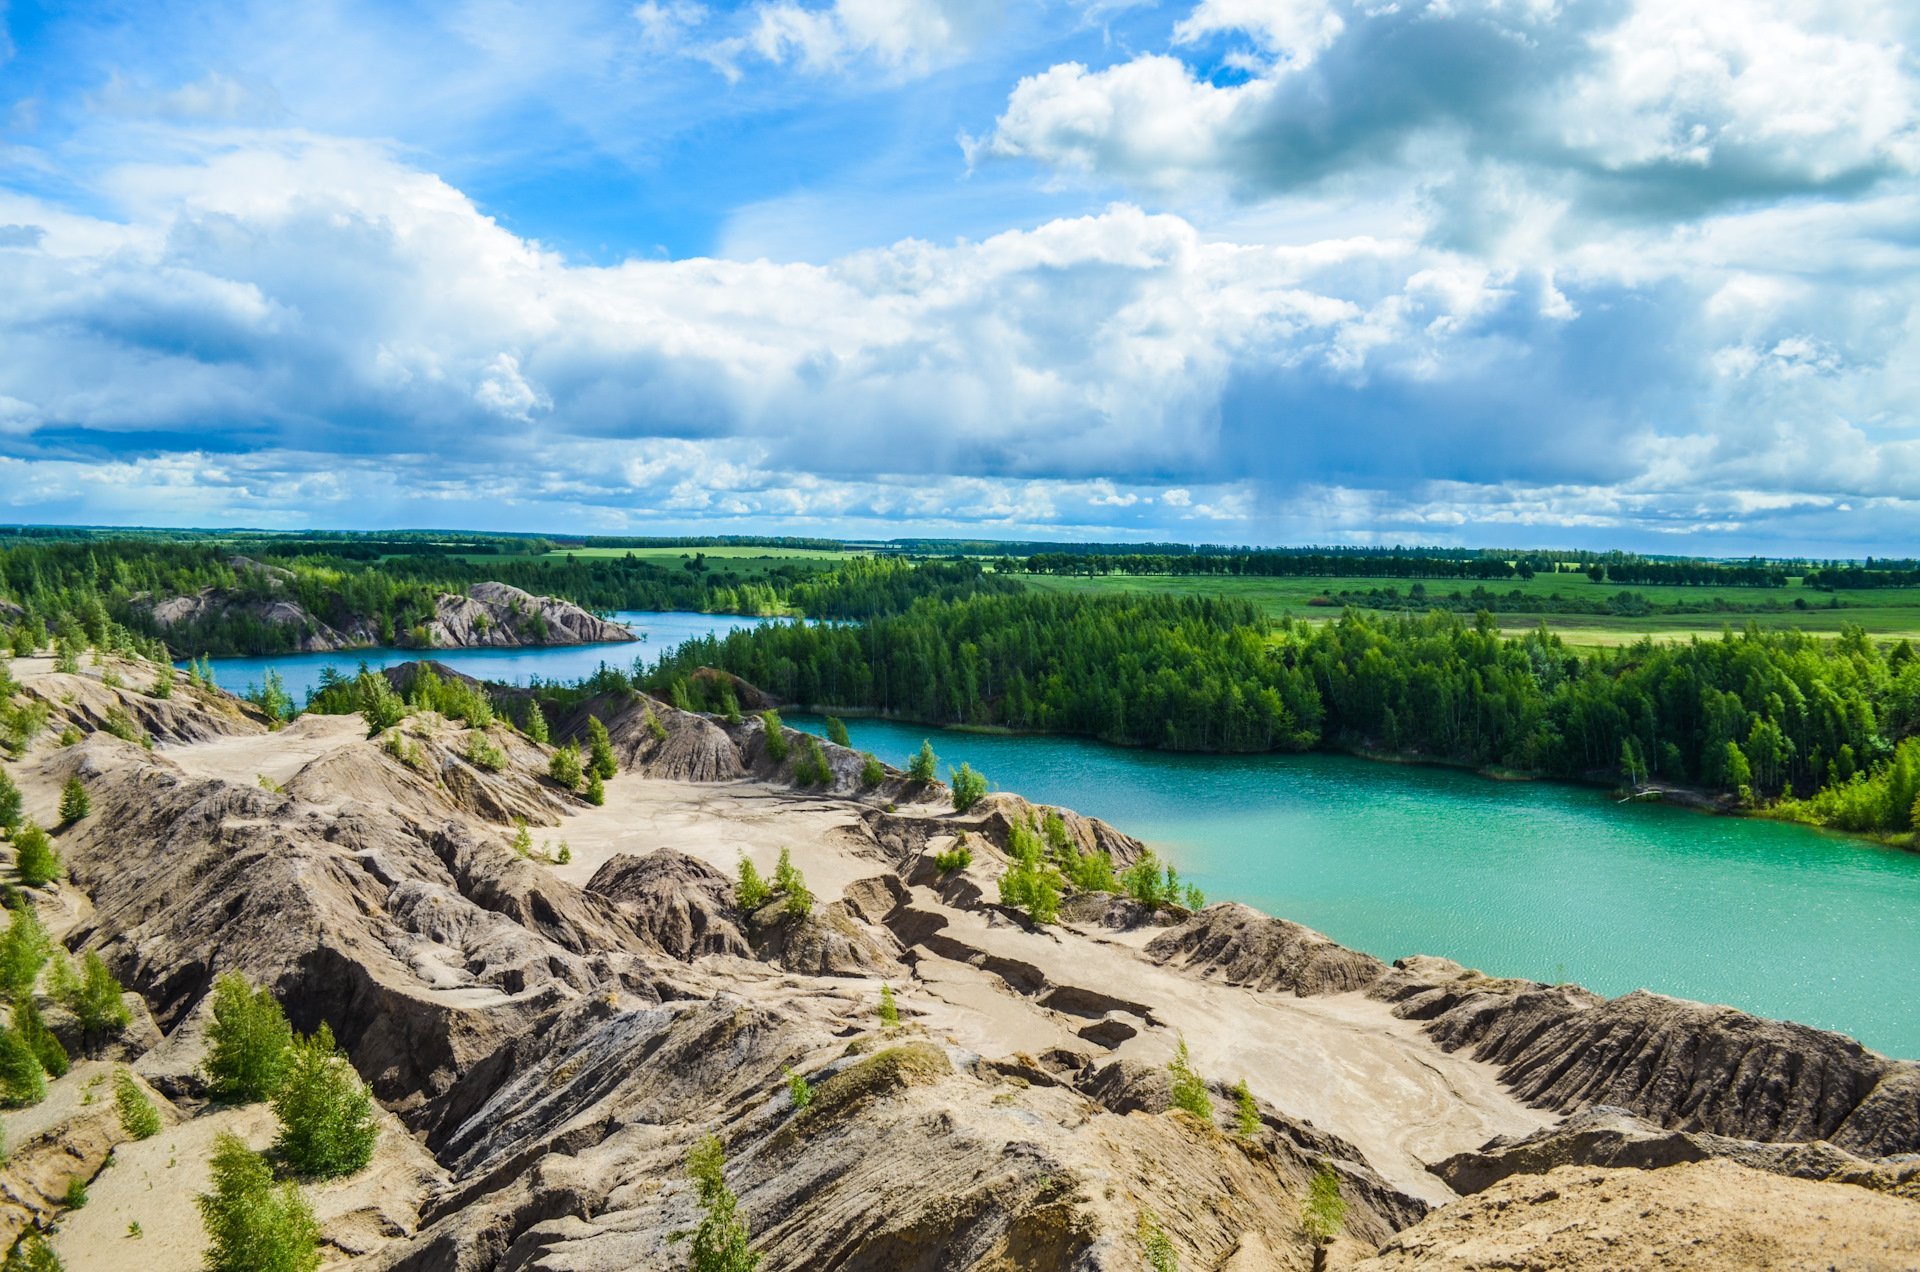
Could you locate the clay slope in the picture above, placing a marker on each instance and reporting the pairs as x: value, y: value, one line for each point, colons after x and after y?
x: 1679, y: 1064
x: 84, y: 701
x: 656, y: 740
x: 1245, y: 947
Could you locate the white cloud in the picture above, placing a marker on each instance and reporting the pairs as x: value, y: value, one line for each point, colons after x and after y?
x: 900, y: 36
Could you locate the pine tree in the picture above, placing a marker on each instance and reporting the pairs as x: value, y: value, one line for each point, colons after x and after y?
x: 889, y: 1010
x: 75, y: 803
x: 775, y: 732
x: 248, y: 1041
x: 600, y: 757
x: 596, y: 792
x: 254, y: 1224
x: 1189, y: 1089
x: 33, y: 1031
x: 752, y: 891
x: 536, y: 723
x: 924, y: 766
x: 10, y: 806
x: 327, y: 1124
x: 564, y: 767
x: 31, y: 1253
x: 837, y: 732
x: 24, y: 949
x: 1246, y: 1114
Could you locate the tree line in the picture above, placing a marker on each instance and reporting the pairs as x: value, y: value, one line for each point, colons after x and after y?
x: 1770, y: 717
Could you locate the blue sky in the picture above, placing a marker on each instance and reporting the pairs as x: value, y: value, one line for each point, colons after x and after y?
x: 1585, y: 272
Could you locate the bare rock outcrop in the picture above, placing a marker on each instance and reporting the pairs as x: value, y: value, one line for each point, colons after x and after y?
x: 657, y: 740
x: 497, y: 614
x: 681, y: 903
x: 1242, y: 946
x: 86, y: 702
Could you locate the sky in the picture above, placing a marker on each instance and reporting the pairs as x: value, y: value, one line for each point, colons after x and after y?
x: 1636, y: 274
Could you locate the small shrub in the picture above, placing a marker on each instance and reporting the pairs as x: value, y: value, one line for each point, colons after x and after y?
x: 799, y: 1090
x: 254, y: 1224
x: 872, y: 772
x: 776, y: 734
x: 729, y: 706
x: 1189, y: 1089
x: 654, y: 727
x: 720, y: 1243
x: 34, y: 858
x: 406, y: 750
x: 31, y: 1253
x: 837, y: 732
x: 69, y: 736
x: 127, y: 729
x: 1091, y: 872
x: 269, y: 785
x: 248, y: 1041
x: 596, y: 792
x: 565, y: 854
x: 958, y: 857
x: 889, y: 1010
x: 600, y: 757
x: 271, y: 696
x: 969, y: 787
x: 378, y: 704
x: 1155, y: 1245
x: 1193, y: 898
x: 483, y: 752
x: 1326, y: 1211
x: 786, y: 875
x: 799, y: 902
x: 139, y: 1119
x: 522, y: 842
x: 1246, y: 1114
x: 76, y: 1194
x: 564, y: 768
x: 66, y: 658
x: 812, y: 769
x: 751, y: 892
x: 924, y: 766
x: 163, y: 683
x: 327, y: 1126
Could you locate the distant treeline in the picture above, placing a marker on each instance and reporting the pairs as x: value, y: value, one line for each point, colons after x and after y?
x: 1397, y: 564
x: 1882, y: 574
x: 1760, y: 714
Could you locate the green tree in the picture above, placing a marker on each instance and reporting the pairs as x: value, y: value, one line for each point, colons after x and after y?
x: 1325, y: 1212
x: 924, y: 766
x: 536, y: 723
x: 872, y: 772
x: 837, y: 732
x: 10, y: 806
x: 254, y: 1224
x: 721, y: 1242
x: 24, y: 949
x: 33, y: 1031
x: 22, y: 1079
x: 600, y: 758
x: 327, y: 1124
x: 272, y: 698
x: 1246, y: 1114
x: 139, y: 1119
x: 377, y: 703
x: 33, y: 856
x: 1155, y: 1246
x: 97, y: 1001
x: 596, y: 792
x: 564, y: 767
x: 775, y: 733
x: 799, y: 1090
x: 249, y: 1041
x: 812, y: 768
x: 1188, y: 1088
x: 889, y: 1010
x: 751, y: 892
x: 969, y: 787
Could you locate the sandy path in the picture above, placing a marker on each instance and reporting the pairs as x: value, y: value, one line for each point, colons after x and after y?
x: 275, y: 756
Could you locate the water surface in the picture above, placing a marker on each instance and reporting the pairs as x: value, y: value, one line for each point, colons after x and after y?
x: 660, y: 634
x: 1533, y: 879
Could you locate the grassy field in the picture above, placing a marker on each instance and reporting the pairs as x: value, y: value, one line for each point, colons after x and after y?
x: 750, y: 562
x: 1889, y: 613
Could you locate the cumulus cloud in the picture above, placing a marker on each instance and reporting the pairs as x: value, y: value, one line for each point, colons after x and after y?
x: 1645, y: 108
x: 313, y: 330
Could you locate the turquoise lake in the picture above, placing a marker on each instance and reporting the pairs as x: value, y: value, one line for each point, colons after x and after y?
x: 1533, y: 879
x: 1529, y: 879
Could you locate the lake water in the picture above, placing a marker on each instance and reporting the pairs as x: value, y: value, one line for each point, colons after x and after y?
x: 1529, y: 879
x: 1533, y: 879
x: 660, y: 633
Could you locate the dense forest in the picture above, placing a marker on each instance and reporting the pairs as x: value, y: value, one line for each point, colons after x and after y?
x: 1405, y: 564
x: 46, y: 584
x: 1761, y: 715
